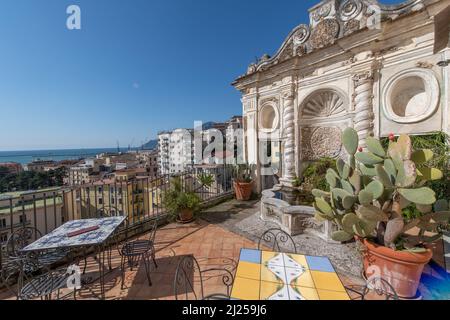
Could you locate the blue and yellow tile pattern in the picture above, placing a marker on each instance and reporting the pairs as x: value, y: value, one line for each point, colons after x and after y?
x: 263, y: 275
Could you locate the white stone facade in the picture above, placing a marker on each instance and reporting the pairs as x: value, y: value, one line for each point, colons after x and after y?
x: 357, y: 64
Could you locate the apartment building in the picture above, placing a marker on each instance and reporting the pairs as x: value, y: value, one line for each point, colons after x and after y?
x: 86, y: 172
x: 40, y: 165
x: 41, y: 209
x: 176, y: 150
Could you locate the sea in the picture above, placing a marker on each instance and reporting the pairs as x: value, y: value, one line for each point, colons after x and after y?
x: 24, y: 157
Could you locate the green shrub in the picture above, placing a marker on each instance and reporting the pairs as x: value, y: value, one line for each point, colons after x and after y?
x: 314, y: 174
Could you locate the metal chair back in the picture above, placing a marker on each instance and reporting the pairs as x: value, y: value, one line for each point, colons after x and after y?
x: 277, y: 240
x: 19, y: 239
x: 189, y: 281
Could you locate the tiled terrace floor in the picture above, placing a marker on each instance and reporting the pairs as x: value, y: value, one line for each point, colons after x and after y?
x: 211, y: 243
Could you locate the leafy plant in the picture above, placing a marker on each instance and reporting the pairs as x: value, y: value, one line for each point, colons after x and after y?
x: 176, y: 200
x: 439, y: 143
x: 205, y: 180
x: 314, y: 175
x: 243, y: 172
x: 369, y: 193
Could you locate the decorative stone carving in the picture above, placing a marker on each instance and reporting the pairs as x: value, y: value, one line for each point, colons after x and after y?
x: 324, y: 103
x: 363, y: 99
x: 301, y: 35
x: 325, y: 33
x: 322, y: 12
x: 351, y: 26
x: 350, y: 9
x: 289, y: 136
x: 411, y: 96
x: 319, y: 142
x: 288, y: 52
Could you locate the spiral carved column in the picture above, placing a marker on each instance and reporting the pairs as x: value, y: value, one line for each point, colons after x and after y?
x: 289, y: 137
x: 363, y: 99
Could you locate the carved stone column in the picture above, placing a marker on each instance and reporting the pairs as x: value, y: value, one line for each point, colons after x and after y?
x: 288, y: 137
x: 363, y: 99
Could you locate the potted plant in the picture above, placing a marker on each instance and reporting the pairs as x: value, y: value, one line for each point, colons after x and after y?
x: 181, y: 205
x: 243, y: 181
x: 368, y: 199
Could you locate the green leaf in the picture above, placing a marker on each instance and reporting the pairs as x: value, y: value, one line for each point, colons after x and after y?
x: 368, y: 158
x: 430, y: 174
x: 323, y: 206
x: 348, y: 202
x: 347, y: 186
x: 341, y: 236
x: 367, y: 170
x: 422, y: 156
x: 371, y: 213
x: 355, y: 180
x: 405, y: 146
x: 407, y: 174
x: 320, y: 194
x: 348, y: 221
x: 345, y: 171
x: 383, y: 176
x: 365, y: 197
x: 350, y: 140
x: 390, y: 169
x: 420, y: 196
x: 376, y: 188
x: 375, y: 147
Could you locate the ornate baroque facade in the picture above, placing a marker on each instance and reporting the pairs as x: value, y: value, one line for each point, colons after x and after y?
x: 358, y: 63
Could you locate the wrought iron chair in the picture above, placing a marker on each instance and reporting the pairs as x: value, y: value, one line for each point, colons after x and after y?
x: 188, y: 274
x: 375, y: 287
x: 44, y: 285
x: 132, y: 252
x: 277, y: 240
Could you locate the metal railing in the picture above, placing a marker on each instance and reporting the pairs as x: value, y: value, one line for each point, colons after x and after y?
x: 140, y: 199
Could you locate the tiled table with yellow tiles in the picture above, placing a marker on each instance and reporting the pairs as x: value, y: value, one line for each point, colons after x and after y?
x: 263, y: 275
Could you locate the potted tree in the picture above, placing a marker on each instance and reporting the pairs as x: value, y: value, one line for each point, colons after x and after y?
x: 243, y: 181
x: 181, y: 205
x: 368, y: 199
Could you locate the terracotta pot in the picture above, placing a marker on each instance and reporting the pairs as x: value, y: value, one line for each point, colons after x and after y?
x: 400, y: 268
x: 186, y: 215
x: 243, y: 190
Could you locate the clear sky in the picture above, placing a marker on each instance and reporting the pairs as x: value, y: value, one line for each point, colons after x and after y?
x: 136, y: 67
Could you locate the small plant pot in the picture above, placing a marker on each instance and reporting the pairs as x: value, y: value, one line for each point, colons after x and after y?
x: 243, y: 190
x: 401, y: 269
x: 186, y: 215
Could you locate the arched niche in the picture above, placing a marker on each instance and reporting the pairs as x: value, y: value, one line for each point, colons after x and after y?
x: 323, y: 103
x: 269, y: 117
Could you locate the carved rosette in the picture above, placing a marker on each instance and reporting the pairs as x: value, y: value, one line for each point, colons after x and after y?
x: 289, y: 136
x: 363, y: 100
x: 325, y: 33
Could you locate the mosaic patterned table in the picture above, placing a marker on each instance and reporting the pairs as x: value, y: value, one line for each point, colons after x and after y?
x: 263, y: 275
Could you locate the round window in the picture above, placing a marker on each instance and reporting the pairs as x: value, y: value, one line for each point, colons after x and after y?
x: 411, y: 96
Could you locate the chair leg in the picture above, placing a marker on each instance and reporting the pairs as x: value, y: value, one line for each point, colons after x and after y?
x: 154, y: 259
x: 147, y: 268
x: 122, y: 269
x: 110, y: 258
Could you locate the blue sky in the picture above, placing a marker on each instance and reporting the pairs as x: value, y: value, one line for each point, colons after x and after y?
x: 136, y: 67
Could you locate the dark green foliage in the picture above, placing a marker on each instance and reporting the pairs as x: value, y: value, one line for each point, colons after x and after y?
x: 176, y: 199
x: 439, y: 143
x: 314, y: 174
x: 30, y: 180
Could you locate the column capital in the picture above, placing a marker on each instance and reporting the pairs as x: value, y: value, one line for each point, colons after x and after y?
x: 362, y: 77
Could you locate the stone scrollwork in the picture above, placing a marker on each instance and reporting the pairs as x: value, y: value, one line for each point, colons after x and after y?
x: 301, y: 35
x: 363, y: 100
x: 322, y: 12
x: 325, y: 33
x: 351, y: 26
x: 320, y: 142
x: 350, y: 9
x: 289, y: 135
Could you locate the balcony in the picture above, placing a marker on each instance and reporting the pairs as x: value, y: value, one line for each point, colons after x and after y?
x: 215, y: 239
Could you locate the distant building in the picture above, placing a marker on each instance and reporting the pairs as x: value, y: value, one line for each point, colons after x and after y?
x: 12, y: 167
x: 37, y: 209
x: 40, y: 165
x: 176, y: 150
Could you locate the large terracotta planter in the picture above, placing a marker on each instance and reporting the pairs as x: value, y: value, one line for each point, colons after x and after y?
x: 400, y: 268
x: 186, y: 215
x: 243, y: 190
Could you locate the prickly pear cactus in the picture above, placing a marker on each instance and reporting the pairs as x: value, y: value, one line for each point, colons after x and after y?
x: 369, y: 192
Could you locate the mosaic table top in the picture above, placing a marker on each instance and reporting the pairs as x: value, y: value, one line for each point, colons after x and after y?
x: 59, y: 238
x: 263, y: 275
